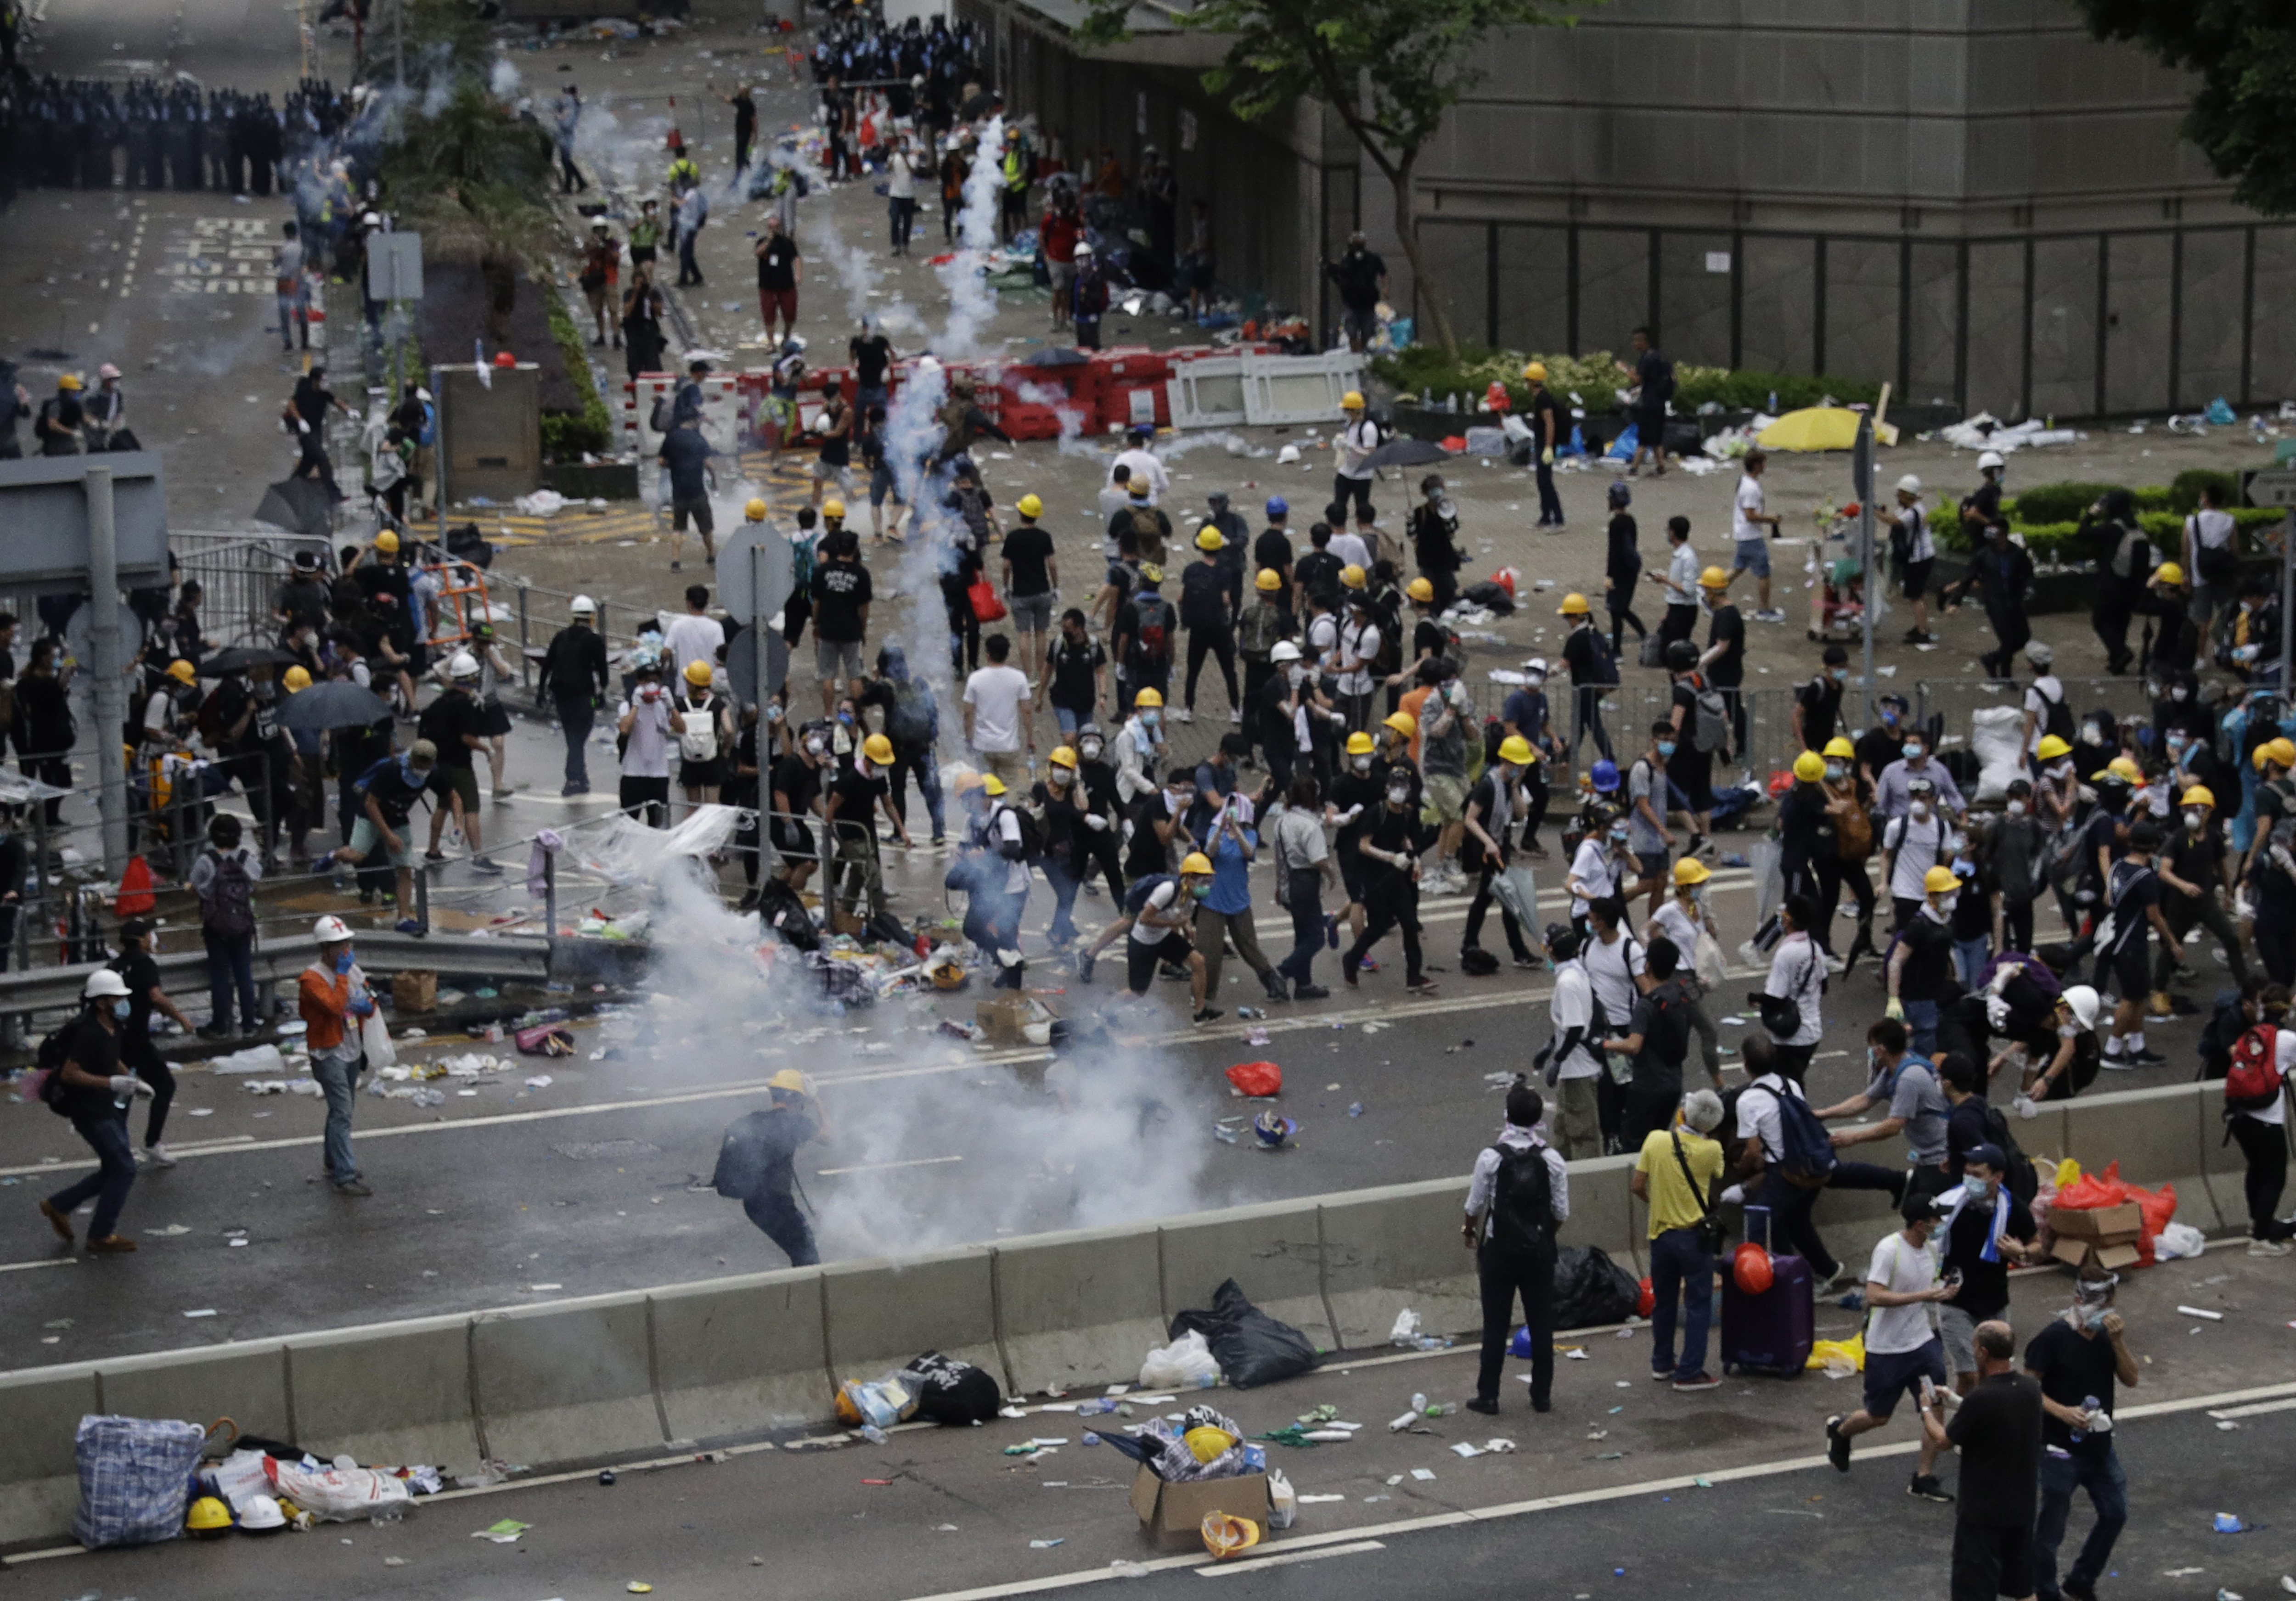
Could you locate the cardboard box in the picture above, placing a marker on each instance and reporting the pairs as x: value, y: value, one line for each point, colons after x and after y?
x: 415, y: 991
x: 1173, y: 1514
x: 2107, y: 1224
x: 1006, y: 1019
x: 2085, y: 1254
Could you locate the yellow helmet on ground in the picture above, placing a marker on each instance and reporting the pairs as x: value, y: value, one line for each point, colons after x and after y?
x: 1420, y: 591
x: 878, y: 749
x: 756, y: 510
x: 1535, y: 373
x: 298, y: 678
x: 1939, y: 881
x: 1153, y: 698
x: 183, y: 672
x: 1713, y: 577
x: 1029, y: 505
x: 2051, y: 748
x: 1209, y: 538
x: 1404, y: 723
x: 697, y: 671
x: 1810, y: 767
x: 992, y: 786
x: 206, y: 1518
x: 1269, y: 581
x: 1574, y: 605
x: 1063, y: 755
x: 1839, y: 745
x: 1360, y: 745
x: 1352, y: 401
x: 1351, y: 576
x: 2199, y: 794
x: 2168, y: 572
x: 1195, y: 864
x: 832, y: 509
x: 1517, y: 749
x: 1690, y: 870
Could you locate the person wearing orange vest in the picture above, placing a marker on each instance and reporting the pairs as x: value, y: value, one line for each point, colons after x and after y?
x: 334, y: 999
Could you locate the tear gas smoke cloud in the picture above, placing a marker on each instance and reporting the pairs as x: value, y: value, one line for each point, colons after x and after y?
x: 972, y: 303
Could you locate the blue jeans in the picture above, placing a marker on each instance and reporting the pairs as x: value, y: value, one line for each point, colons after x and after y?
x: 106, y: 1133
x: 575, y: 717
x: 339, y: 1076
x: 1969, y: 956
x: 1922, y: 1020
x: 230, y: 963
x: 2107, y: 1492
x: 1678, y: 1267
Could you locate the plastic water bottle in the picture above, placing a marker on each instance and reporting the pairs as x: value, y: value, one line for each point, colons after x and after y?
x: 1773, y: 403
x: 1419, y: 1404
x: 1442, y: 1409
x: 1094, y: 1408
x: 388, y: 1514
x: 2089, y: 1403
x: 872, y: 1434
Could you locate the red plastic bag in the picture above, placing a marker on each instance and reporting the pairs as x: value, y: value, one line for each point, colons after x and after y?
x: 2095, y: 1190
x: 987, y: 607
x: 1646, y: 1301
x: 1257, y: 1078
x: 2158, y: 1206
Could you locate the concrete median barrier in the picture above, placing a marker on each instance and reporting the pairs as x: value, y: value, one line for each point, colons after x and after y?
x: 1395, y: 1248
x: 1273, y: 1252
x: 2155, y: 1135
x: 40, y: 1408
x: 1603, y: 1212
x: 245, y: 1382
x: 880, y: 1315
x: 1080, y: 1307
x: 740, y: 1355
x: 393, y: 1393
x: 569, y: 1382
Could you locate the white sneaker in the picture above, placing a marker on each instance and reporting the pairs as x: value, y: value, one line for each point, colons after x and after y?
x: 2270, y: 1247
x: 159, y: 1155
x: 1236, y: 717
x: 1181, y: 714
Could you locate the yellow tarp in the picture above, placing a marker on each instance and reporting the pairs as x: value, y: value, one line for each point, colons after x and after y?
x: 1813, y: 428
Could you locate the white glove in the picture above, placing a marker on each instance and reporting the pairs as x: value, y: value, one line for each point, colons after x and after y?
x: 1997, y: 1013
x: 1095, y: 822
x: 2025, y: 1106
x: 127, y: 1083
x: 1350, y: 815
x: 1734, y: 1195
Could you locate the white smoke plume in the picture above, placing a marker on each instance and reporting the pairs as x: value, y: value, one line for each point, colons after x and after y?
x: 972, y: 303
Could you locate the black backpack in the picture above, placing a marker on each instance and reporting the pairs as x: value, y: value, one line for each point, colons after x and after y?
x: 1032, y: 834
x: 1522, y: 1202
x: 229, y: 906
x: 1136, y: 898
x: 50, y: 1065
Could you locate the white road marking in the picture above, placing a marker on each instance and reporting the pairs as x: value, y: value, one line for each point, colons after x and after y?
x: 879, y: 1167
x: 1286, y: 1554
x: 53, y: 1261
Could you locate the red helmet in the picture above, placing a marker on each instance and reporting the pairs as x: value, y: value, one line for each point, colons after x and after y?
x: 1750, y: 1266
x: 504, y: 358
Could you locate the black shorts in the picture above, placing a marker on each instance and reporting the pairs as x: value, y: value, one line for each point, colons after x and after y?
x: 1989, y: 1561
x: 794, y: 840
x: 697, y: 510
x: 1917, y: 578
x: 1141, y: 961
x: 494, y: 719
x: 1351, y: 870
x: 459, y: 781
x: 2129, y: 968
x: 698, y: 775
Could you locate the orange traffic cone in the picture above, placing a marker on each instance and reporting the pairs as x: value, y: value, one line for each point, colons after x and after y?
x: 135, y: 897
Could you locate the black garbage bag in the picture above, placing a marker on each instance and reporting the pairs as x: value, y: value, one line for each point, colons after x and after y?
x: 1251, y: 1347
x: 1591, y: 1290
x: 1488, y: 595
x: 953, y: 1392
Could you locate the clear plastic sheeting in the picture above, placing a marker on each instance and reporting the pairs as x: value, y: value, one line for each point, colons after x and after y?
x: 630, y: 852
x: 1996, y: 734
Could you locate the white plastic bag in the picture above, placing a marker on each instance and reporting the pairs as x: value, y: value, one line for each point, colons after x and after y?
x: 1997, y: 733
x: 2176, y: 1240
x: 1713, y: 970
x: 1187, y: 1363
x: 1406, y: 1331
x: 374, y: 1039
x: 340, y: 1494
x: 1282, y: 1502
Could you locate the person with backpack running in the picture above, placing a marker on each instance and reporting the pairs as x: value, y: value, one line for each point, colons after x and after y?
x: 705, y: 746
x: 2132, y: 902
x: 2256, y: 1089
x: 1391, y: 845
x: 223, y: 877
x: 757, y: 1163
x: 84, y: 1082
x: 1159, y: 913
x: 1987, y: 1227
x: 1701, y: 728
x: 1519, y: 1196
x: 1784, y: 1156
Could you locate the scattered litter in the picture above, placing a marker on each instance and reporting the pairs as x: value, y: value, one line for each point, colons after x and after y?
x: 1462, y: 1451
x: 2228, y: 1523
x: 503, y: 1533
x: 1306, y: 1500
x: 169, y: 1232
x: 1422, y: 1475
x: 2194, y: 1312
x: 205, y: 1311
x: 1047, y: 1545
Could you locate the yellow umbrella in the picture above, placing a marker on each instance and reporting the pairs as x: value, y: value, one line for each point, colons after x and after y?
x: 1814, y: 427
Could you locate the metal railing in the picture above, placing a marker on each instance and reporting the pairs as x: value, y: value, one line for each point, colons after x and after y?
x: 239, y: 575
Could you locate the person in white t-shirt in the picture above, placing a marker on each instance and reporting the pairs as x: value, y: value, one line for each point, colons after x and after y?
x: 1143, y: 466
x: 1614, y: 961
x: 1598, y: 867
x: 2211, y: 558
x: 1904, y: 1355
x: 1798, y: 974
x: 1573, y: 1060
x: 997, y: 716
x: 2046, y: 712
x: 1682, y: 918
x: 695, y: 637
x: 1915, y: 551
x: 1752, y: 526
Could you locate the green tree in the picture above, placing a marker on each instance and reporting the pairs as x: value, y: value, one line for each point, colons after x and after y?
x: 2243, y: 115
x: 1391, y: 68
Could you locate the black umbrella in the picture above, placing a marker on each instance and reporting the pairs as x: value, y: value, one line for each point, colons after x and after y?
x: 239, y: 658
x: 1407, y: 452
x: 299, y: 505
x: 337, y: 702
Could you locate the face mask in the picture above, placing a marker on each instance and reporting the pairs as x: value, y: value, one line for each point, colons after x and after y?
x: 814, y: 744
x: 1059, y: 777
x: 1089, y: 750
x: 845, y: 717
x: 2178, y: 745
x: 1964, y: 870
x: 1946, y: 904
x: 1835, y: 770
x: 1534, y: 681
x: 407, y: 770
x: 1841, y: 674
x: 2096, y: 733
x: 1979, y: 1188
x: 1360, y: 763
x: 2016, y: 808
x: 2093, y: 1316
x: 1398, y: 794
x: 122, y: 1007
x: 1921, y: 810
x: 1151, y: 720
x: 1889, y: 718
x: 1666, y: 747
x: 1200, y: 890
x: 1618, y: 833
x: 1912, y: 750
x: 2192, y: 820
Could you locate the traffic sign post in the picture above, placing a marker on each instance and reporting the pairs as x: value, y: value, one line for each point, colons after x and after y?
x: 1861, y: 482
x: 756, y: 574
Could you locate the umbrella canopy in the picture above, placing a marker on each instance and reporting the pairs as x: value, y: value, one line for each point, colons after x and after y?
x: 299, y: 505
x: 1407, y: 452
x: 239, y: 658
x: 337, y: 702
x: 1813, y: 428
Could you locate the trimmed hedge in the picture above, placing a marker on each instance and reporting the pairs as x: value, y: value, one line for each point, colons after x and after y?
x: 566, y: 435
x: 1594, y: 377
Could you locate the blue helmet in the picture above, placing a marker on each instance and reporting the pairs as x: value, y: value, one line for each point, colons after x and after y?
x: 1272, y: 1129
x: 1277, y: 507
x: 1606, y: 776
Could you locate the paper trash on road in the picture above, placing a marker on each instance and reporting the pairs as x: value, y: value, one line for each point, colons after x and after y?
x: 503, y: 1533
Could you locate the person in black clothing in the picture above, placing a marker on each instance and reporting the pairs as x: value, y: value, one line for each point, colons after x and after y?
x: 1690, y: 769
x: 2194, y: 870
x: 1235, y: 550
x: 1361, y: 277
x: 1391, y: 847
x: 1724, y: 663
x: 1998, y: 1431
x: 145, y: 995
x: 2002, y: 574
x: 1656, y: 1039
x: 1653, y: 387
x: 303, y: 598
x: 95, y: 1094
x: 45, y: 730
x: 1072, y: 820
x: 1550, y: 430
x: 792, y: 800
x: 451, y: 724
x: 1520, y: 1192
x: 1622, y: 570
x: 2124, y: 557
x: 757, y: 1165
x: 62, y: 415
x: 1205, y: 611
x: 1435, y: 541
x: 2133, y: 894
x: 575, y: 680
x: 974, y: 528
x: 1817, y: 704
x: 1804, y: 835
x: 2080, y: 1359
x: 1488, y: 846
x: 306, y: 415
x: 745, y: 121
x: 913, y: 724
x: 1271, y: 550
x: 1317, y: 575
x: 742, y: 788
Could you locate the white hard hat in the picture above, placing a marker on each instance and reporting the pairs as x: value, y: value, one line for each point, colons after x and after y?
x: 1083, y: 247
x: 2084, y: 1003
x: 463, y: 665
x: 1537, y: 664
x: 583, y: 607
x: 330, y: 931
x: 1909, y: 485
x: 1284, y: 651
x: 102, y: 984
x: 1988, y: 459
x: 260, y: 1514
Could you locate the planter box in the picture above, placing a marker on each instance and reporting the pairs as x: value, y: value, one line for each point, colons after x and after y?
x: 601, y: 480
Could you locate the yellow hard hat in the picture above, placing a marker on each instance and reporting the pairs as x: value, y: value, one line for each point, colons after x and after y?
x: 1420, y: 591
x: 1810, y: 767
x: 2282, y: 752
x: 1351, y: 576
x: 1713, y: 577
x: 387, y: 540
x: 1206, y: 1443
x: 208, y: 1517
x: 1574, y: 605
x: 967, y: 782
x: 1150, y: 573
x: 1404, y: 723
x: 1690, y: 870
x: 1535, y: 373
x: 791, y: 1080
x: 71, y: 382
x: 1352, y: 401
x: 1939, y: 881
x: 1517, y: 749
x: 878, y: 749
x: 992, y: 786
x: 1148, y: 698
x: 832, y: 509
x: 1063, y: 755
x: 2122, y: 767
x: 755, y: 510
x: 697, y: 671
x: 1840, y: 746
x: 1029, y: 505
x: 183, y: 672
x: 1209, y: 538
x: 1196, y: 864
x: 2167, y: 572
x: 2199, y: 794
x: 1360, y: 745
x: 1269, y: 580
x: 2051, y: 748
x: 298, y: 678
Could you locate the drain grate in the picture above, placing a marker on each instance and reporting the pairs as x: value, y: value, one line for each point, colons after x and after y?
x: 603, y: 1150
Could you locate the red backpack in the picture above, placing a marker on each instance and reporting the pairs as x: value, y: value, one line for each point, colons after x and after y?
x: 2253, y: 1081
